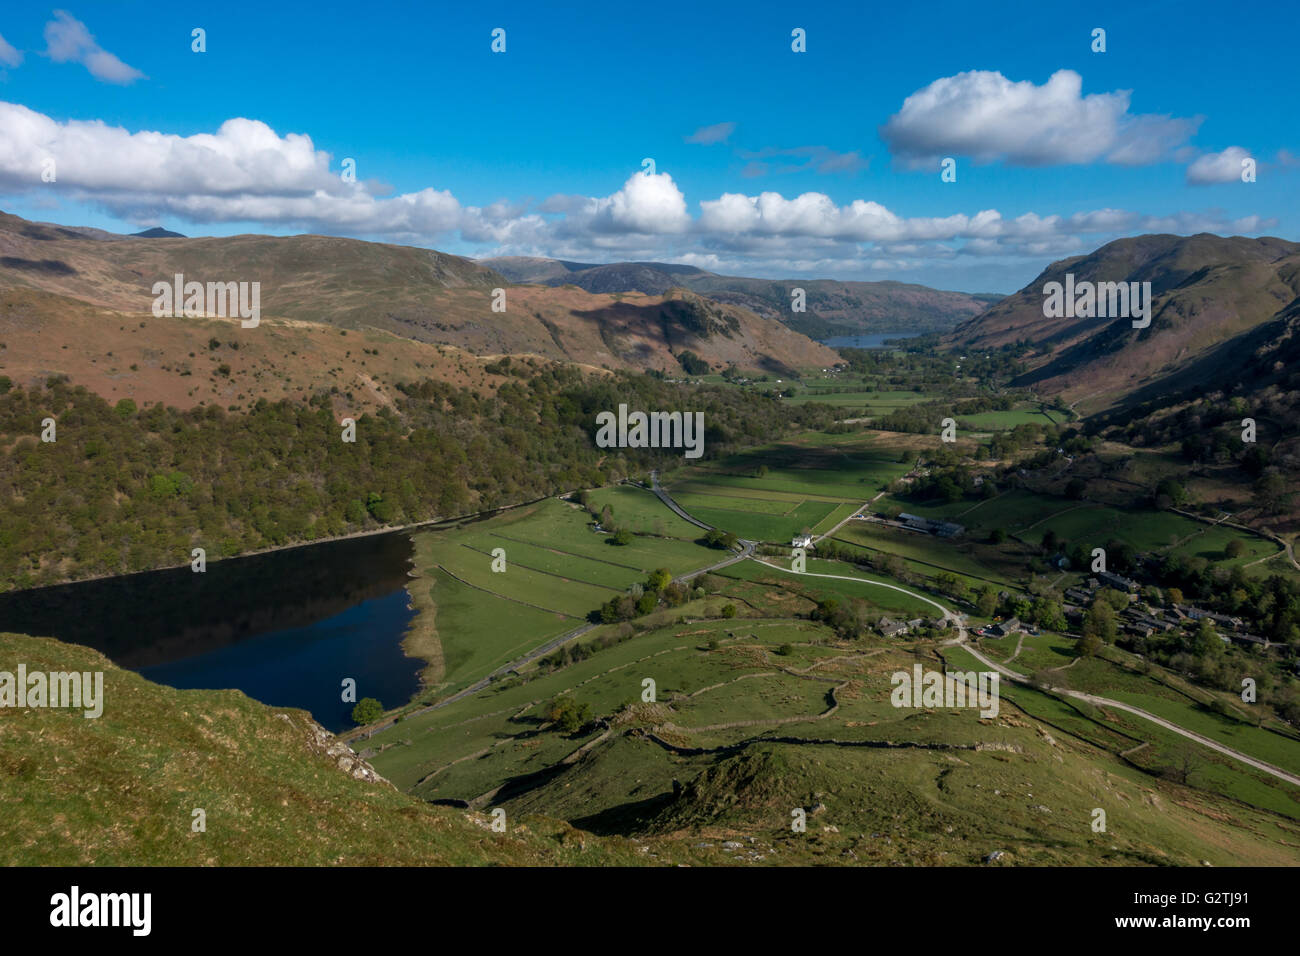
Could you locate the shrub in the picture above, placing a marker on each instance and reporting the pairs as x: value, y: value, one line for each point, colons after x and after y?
x: 367, y: 711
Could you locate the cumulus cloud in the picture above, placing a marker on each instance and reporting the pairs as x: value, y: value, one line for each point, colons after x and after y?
x: 1224, y: 167
x: 246, y: 172
x: 647, y: 203
x: 707, y: 135
x: 8, y: 55
x: 68, y: 40
x: 985, y: 116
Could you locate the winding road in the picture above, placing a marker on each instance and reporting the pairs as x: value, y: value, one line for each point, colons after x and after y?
x: 951, y: 617
x: 958, y: 621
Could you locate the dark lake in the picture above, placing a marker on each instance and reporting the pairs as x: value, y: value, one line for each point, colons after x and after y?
x: 285, y: 627
x: 873, y: 341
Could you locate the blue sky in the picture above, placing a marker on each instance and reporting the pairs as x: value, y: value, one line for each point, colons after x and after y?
x: 805, y: 164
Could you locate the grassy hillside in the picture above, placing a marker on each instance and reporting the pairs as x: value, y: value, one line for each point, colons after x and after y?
x: 121, y: 789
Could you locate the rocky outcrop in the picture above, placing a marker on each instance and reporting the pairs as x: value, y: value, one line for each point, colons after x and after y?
x: 322, y: 742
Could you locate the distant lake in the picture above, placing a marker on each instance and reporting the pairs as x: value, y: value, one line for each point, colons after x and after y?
x: 284, y: 627
x: 875, y: 341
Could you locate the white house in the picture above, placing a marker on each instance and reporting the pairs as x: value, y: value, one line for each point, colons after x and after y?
x: 802, y: 541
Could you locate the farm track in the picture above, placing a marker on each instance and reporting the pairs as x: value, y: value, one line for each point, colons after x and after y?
x: 961, y: 640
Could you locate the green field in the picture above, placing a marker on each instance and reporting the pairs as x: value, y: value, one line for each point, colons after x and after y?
x: 557, y: 572
x: 773, y: 687
x: 782, y: 490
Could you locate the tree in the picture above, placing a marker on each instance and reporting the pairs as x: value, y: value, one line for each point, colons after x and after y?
x: 367, y: 711
x: 1048, y: 614
x: 987, y: 602
x: 1099, y: 622
x: 1234, y: 549
x: 1206, y: 640
x: 1169, y: 493
x: 659, y: 579
x: 621, y: 537
x: 1118, y: 600
x: 1271, y: 491
x: 1186, y: 765
x: 380, y: 508
x: 728, y: 610
x: 1088, y: 645
x: 717, y: 538
x: 997, y: 536
x: 1075, y: 488
x: 567, y: 714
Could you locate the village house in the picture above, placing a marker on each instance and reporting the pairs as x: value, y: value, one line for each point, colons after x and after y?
x: 1118, y: 581
x: 892, y: 628
x: 1005, y: 628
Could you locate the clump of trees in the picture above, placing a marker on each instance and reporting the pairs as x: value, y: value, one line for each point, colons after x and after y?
x: 127, y: 488
x: 641, y: 599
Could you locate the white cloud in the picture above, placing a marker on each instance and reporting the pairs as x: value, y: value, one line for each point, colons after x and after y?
x: 982, y: 115
x: 1224, y: 167
x: 647, y: 203
x: 68, y: 40
x: 8, y: 55
x: 246, y: 172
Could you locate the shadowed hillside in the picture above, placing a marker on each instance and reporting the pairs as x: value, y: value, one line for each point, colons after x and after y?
x: 1210, y: 295
x: 833, y: 307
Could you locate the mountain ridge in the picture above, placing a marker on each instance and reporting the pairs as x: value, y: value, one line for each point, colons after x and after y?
x: 1211, y: 295
x: 834, y: 307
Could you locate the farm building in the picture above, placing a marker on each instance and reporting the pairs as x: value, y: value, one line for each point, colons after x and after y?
x: 943, y: 529
x: 1118, y: 581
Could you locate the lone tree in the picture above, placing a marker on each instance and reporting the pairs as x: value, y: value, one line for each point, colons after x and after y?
x: 567, y: 714
x: 367, y: 711
x: 716, y: 538
x: 1088, y: 645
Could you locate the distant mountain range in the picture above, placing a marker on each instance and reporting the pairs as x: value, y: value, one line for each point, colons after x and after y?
x: 833, y: 307
x: 417, y: 294
x: 1222, y: 309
